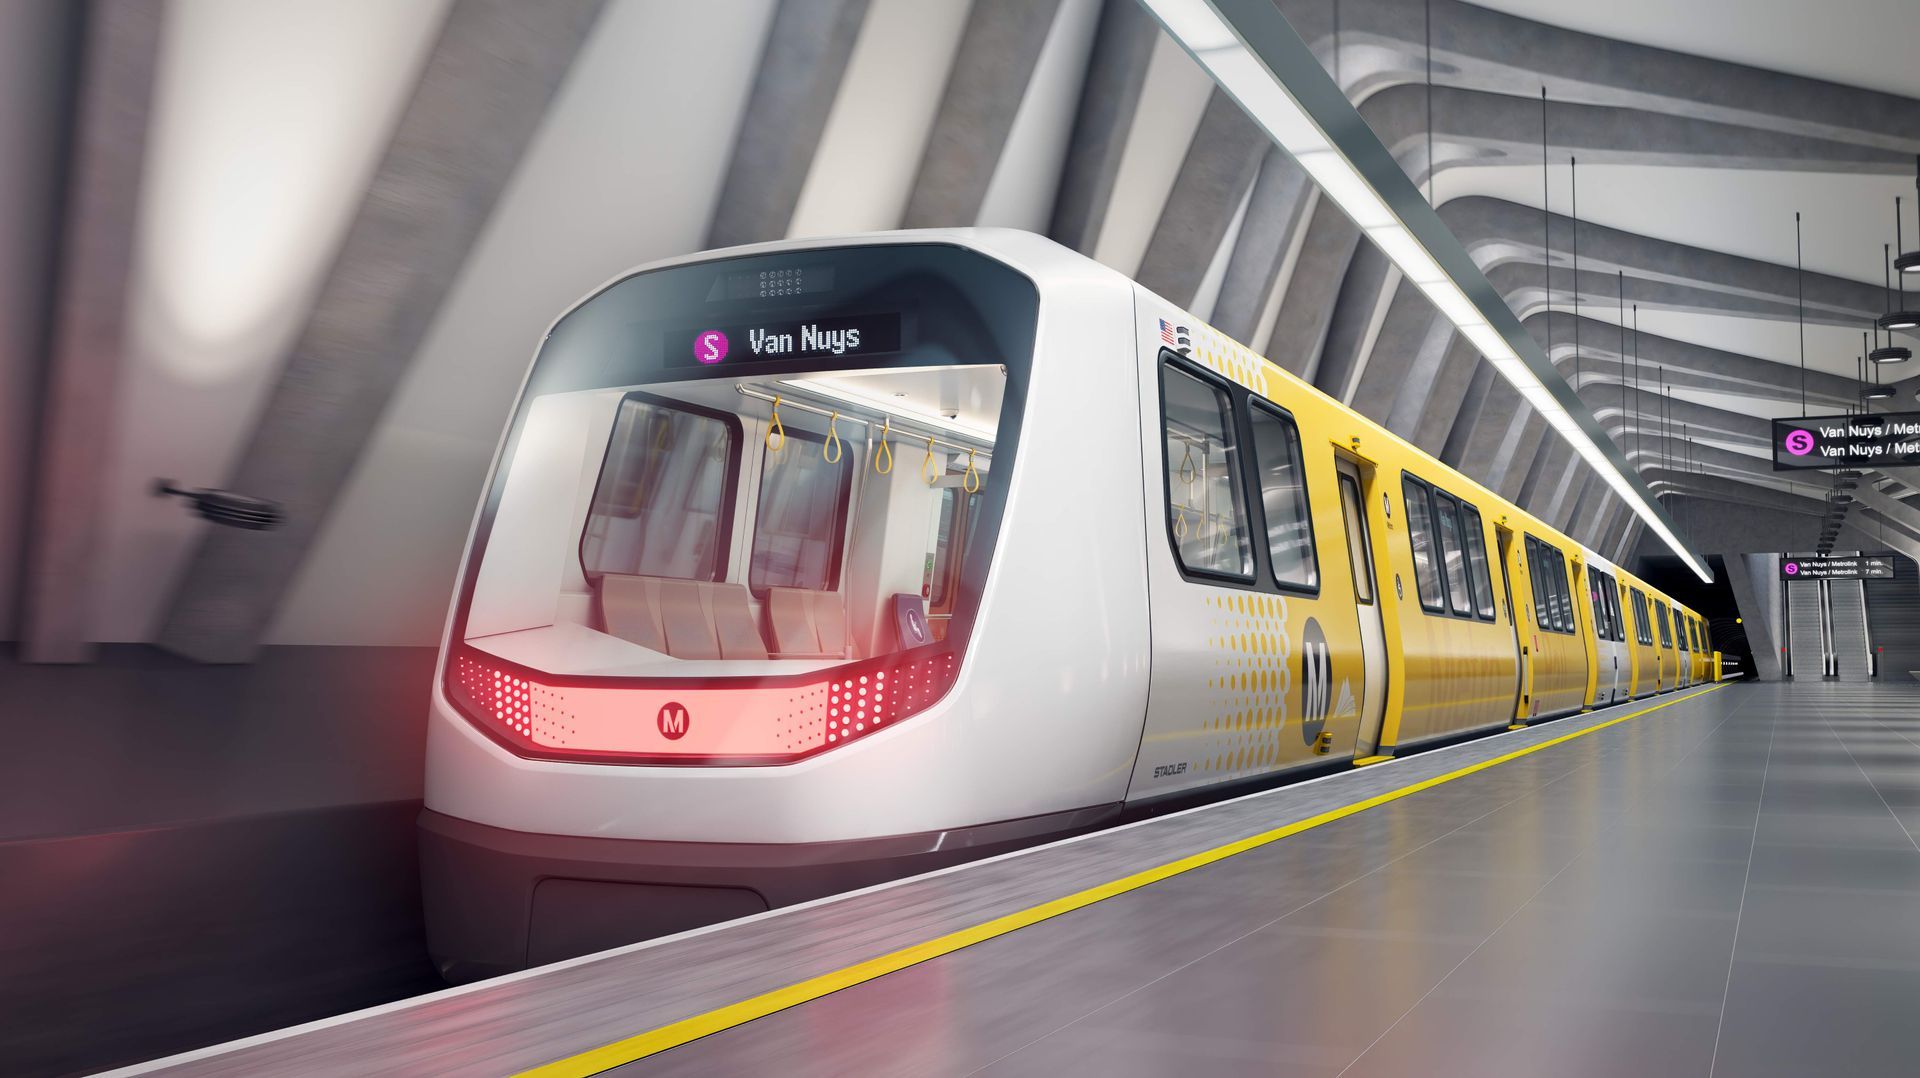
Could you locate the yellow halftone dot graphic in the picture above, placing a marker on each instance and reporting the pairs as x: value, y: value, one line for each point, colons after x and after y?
x: 1246, y: 709
x: 1230, y: 358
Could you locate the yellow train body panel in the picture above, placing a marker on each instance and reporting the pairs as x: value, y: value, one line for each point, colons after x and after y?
x: 1446, y: 675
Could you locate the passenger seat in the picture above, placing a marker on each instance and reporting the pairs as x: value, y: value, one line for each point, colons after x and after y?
x: 687, y: 619
x: 805, y: 624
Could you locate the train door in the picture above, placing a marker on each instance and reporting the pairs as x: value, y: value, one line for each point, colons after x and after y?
x: 1373, y: 638
x: 1523, y: 668
x: 1585, y: 629
x: 1620, y: 686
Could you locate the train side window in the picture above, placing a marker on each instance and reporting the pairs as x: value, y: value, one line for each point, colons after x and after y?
x: 663, y: 503
x: 1602, y: 629
x: 1476, y: 539
x: 1206, y: 509
x: 1680, y: 629
x: 1616, y: 621
x: 1646, y: 623
x: 1426, y: 562
x: 1359, y: 556
x: 1539, y: 583
x: 800, y: 525
x: 1660, y: 619
x: 1459, y: 592
x: 1283, y: 497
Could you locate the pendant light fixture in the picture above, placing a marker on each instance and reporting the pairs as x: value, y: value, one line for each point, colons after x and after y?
x: 1876, y: 391
x: 1909, y: 261
x: 1890, y: 352
x: 1899, y: 318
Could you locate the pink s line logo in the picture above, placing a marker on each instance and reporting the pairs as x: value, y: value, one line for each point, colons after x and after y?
x: 1800, y: 442
x: 710, y: 347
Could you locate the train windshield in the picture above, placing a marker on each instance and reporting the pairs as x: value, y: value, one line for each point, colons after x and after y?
x: 752, y: 469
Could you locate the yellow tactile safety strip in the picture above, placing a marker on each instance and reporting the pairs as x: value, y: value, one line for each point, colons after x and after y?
x: 673, y: 1035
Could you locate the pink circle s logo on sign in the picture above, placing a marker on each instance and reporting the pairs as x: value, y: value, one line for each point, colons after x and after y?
x: 1800, y: 442
x: 1793, y: 568
x: 710, y: 347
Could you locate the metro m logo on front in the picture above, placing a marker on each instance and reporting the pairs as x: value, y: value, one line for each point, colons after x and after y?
x: 673, y: 721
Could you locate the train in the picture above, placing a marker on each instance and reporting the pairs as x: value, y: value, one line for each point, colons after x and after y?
x: 807, y: 565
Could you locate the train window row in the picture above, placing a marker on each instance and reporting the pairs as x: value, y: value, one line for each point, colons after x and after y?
x: 1450, y: 570
x: 1552, y: 595
x: 1607, y: 621
x: 1205, y: 420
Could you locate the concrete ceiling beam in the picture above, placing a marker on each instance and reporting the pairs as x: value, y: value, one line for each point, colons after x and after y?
x: 1278, y: 209
x: 482, y: 94
x: 794, y: 87
x: 119, y: 53
x: 1608, y: 355
x: 992, y: 69
x: 1214, y: 177
x: 1381, y: 44
x: 1110, y: 95
x: 1472, y: 127
x: 1659, y: 273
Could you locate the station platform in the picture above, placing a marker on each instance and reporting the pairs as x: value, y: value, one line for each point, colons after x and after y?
x: 1723, y: 881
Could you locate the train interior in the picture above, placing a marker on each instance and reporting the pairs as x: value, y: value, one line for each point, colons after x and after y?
x: 734, y: 527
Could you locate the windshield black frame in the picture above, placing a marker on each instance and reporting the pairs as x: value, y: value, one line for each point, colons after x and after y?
x: 958, y: 307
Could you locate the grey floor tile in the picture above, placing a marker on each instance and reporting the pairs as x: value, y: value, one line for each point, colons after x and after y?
x: 1790, y: 1021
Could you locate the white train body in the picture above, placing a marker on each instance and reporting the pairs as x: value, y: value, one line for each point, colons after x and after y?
x: 805, y: 565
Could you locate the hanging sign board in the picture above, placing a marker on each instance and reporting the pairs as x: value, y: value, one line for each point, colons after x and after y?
x: 1866, y: 567
x: 1847, y: 441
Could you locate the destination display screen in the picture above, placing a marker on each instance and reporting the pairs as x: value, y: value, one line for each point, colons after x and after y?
x: 837, y: 338
x: 1846, y: 441
x: 1864, y: 567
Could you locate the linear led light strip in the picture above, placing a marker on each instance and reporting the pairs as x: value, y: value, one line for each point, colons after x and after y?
x: 1201, y: 30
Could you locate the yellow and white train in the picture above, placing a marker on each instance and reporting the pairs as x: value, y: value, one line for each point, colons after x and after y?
x: 811, y: 564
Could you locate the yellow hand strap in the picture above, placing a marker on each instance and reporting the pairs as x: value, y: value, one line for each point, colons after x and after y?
x: 833, y: 451
x: 972, y: 482
x: 926, y: 465
x: 776, y: 434
x: 885, y: 452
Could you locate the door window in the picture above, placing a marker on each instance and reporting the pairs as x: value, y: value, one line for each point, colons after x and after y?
x: 1475, y: 537
x: 1359, y: 547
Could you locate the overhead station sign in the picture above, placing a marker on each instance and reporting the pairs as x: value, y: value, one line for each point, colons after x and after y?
x: 1866, y: 567
x: 1847, y: 441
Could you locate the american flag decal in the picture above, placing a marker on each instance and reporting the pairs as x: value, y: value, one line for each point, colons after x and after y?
x: 1174, y: 337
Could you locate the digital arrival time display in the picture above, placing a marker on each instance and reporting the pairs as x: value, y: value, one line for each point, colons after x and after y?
x: 772, y: 341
